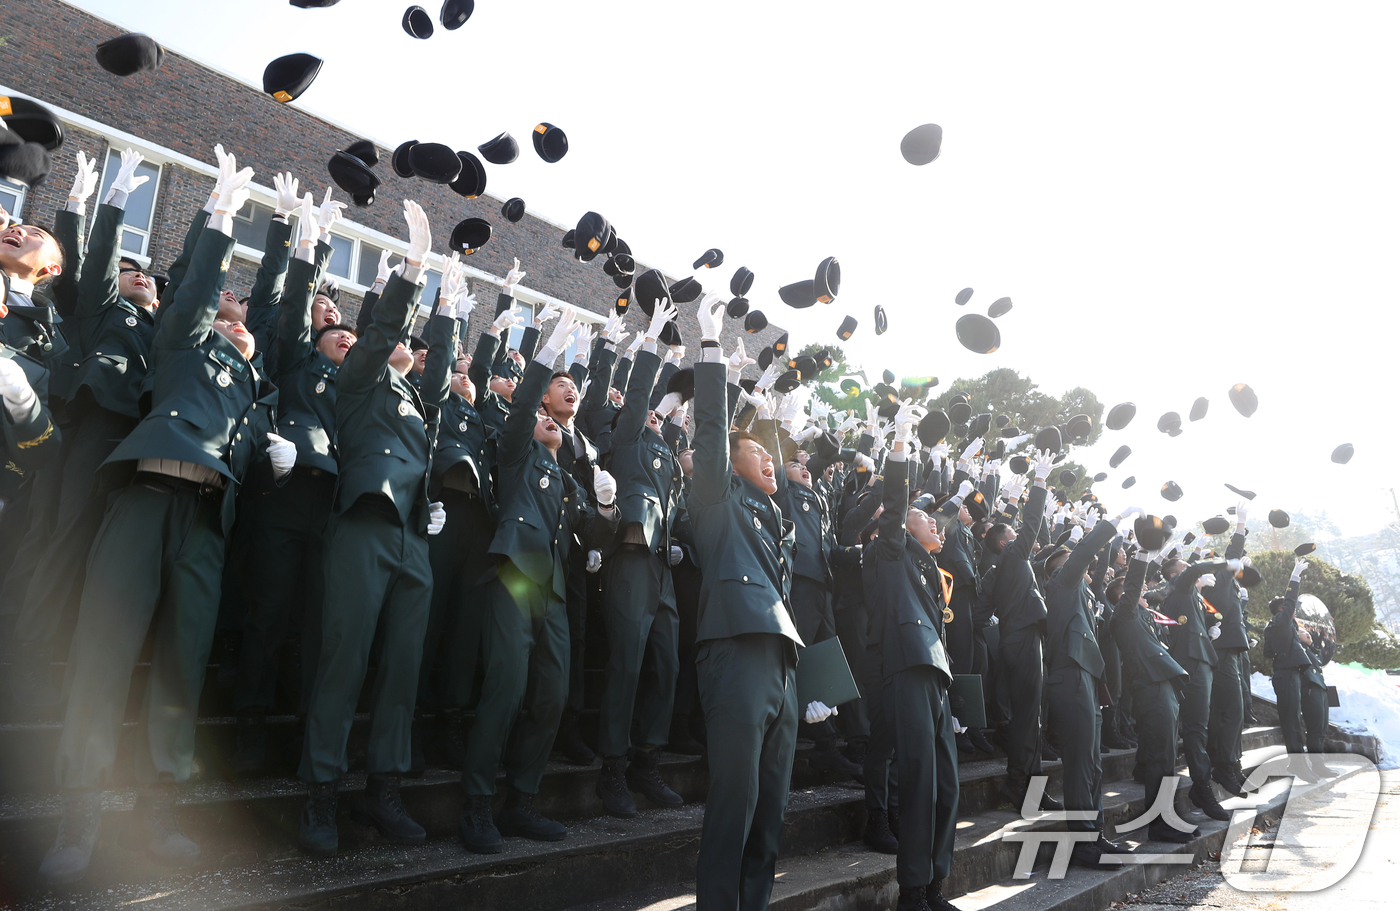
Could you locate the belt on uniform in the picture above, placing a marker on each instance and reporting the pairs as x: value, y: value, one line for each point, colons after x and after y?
x: 170, y: 482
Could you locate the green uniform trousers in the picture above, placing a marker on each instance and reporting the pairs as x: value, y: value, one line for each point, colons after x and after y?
x: 1077, y: 722
x: 525, y: 655
x: 881, y: 776
x: 283, y: 576
x: 925, y: 750
x: 1195, y: 718
x: 748, y: 689
x: 1227, y: 695
x: 1314, y: 715
x: 377, y: 575
x: 1021, y: 661
x: 460, y: 561
x: 55, y: 589
x: 642, y: 648
x: 155, y: 563
x: 1288, y: 693
x: 1155, y: 707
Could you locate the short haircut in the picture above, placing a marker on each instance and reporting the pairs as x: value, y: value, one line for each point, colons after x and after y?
x: 738, y: 436
x: 1114, y: 592
x: 1277, y: 604
x: 561, y: 374
x: 998, y: 529
x: 128, y: 261
x: 336, y: 327
x: 62, y: 256
x: 1166, y: 567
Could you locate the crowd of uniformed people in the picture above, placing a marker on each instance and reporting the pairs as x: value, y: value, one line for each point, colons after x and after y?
x: 450, y: 512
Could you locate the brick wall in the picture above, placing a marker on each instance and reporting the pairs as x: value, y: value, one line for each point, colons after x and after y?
x: 187, y: 108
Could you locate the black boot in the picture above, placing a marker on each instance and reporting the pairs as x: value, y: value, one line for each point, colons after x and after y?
x: 418, y: 760
x: 1226, y: 779
x: 1085, y: 854
x: 826, y: 758
x: 476, y: 827
x: 980, y: 741
x: 1204, y: 798
x: 1301, y: 768
x: 1110, y: 738
x: 878, y: 836
x: 912, y: 899
x: 964, y: 743
x: 250, y: 752
x: 612, y: 789
x: 935, y: 899
x: 68, y: 859
x: 454, y: 737
x: 317, y: 835
x: 1016, y: 796
x: 520, y: 818
x: 569, y: 742
x: 681, y: 740
x: 644, y: 776
x: 155, y: 814
x: 1111, y: 847
x: 1048, y: 753
x: 1157, y: 830
x: 381, y: 806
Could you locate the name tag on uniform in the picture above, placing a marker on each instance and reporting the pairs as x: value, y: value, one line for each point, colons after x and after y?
x: 227, y: 361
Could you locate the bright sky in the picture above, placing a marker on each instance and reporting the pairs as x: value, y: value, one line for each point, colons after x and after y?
x: 1176, y: 197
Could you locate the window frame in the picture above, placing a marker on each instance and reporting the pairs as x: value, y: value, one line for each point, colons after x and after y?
x: 143, y: 233
x: 21, y: 194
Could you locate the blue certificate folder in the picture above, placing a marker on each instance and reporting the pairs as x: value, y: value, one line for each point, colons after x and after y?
x: 824, y: 676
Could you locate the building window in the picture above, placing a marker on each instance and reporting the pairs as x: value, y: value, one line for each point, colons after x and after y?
x: 516, y: 332
x: 250, y: 225
x: 140, y: 205
x: 12, y: 198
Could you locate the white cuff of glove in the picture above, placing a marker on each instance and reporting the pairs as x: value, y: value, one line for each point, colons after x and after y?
x: 22, y: 411
x: 221, y: 222
x: 649, y: 346
x: 547, y: 356
x: 899, y: 455
x: 76, y: 206
x: 713, y: 355
x: 116, y: 198
x: 413, y: 273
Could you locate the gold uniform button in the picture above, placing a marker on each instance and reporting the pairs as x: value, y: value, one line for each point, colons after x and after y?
x: 746, y: 578
x: 386, y: 452
x: 174, y: 414
x: 245, y: 420
x: 238, y: 436
x: 922, y: 580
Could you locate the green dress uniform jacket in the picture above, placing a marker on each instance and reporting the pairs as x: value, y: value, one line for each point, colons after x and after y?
x: 114, y: 335
x: 385, y: 432
x: 70, y: 229
x: 264, y: 315
x: 493, y: 407
x: 306, y: 378
x: 208, y: 406
x: 1072, y: 637
x: 647, y: 472
x: 1281, y: 642
x: 1189, y: 640
x: 1154, y: 679
x: 463, y: 437
x: 1017, y: 600
x: 32, y: 442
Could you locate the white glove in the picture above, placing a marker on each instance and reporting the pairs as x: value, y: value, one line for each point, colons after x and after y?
x: 739, y: 360
x: 508, y: 320
x: 711, y: 316
x: 308, y: 231
x: 677, y: 555
x: 1013, y: 491
x: 85, y: 181
x: 972, y: 449
x: 818, y: 712
x: 329, y: 213
x: 453, y: 284
x: 765, y: 408
x: 595, y: 561
x: 1076, y: 534
x: 1235, y: 565
x: 420, y: 236
x: 905, y: 420
x: 612, y: 329
x: 126, y: 180
x: 1298, y: 570
x: 15, y: 390
x: 1043, y: 466
x: 991, y: 467
x: 964, y: 489
x: 793, y: 407
x: 1129, y: 511
x: 806, y: 434
x: 381, y: 274
x: 820, y: 409
x: 851, y: 423
x: 287, y: 198
x: 1091, y: 518
x: 769, y: 377
x: 465, y: 305
x: 233, y: 186
x: 864, y: 462
x: 669, y: 403
x: 513, y: 278
x: 437, y: 517
x: 939, y: 452
x: 1205, y: 581
x: 636, y: 344
x: 1214, y: 631
x: 604, y: 487
x: 662, y: 314
x: 1242, y: 513
x: 548, y: 312
x: 559, y: 338
x: 282, y: 453
x: 583, y: 343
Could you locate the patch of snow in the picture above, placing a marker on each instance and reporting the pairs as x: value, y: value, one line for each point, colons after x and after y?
x: 1370, y: 704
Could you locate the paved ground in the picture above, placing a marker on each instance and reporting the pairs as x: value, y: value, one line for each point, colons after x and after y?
x: 1372, y: 884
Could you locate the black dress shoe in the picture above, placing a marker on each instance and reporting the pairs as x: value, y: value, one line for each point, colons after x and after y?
x: 1226, y: 779
x: 612, y: 789
x: 1161, y: 831
x: 826, y: 758
x: 1085, y: 854
x: 964, y: 743
x: 1111, y: 847
x: 1049, y: 753
x: 381, y: 806
x: 935, y: 899
x: 520, y: 818
x: 980, y: 741
x: 1017, y: 798
x: 1204, y: 798
x: 912, y: 899
x: 644, y: 774
x: 317, y: 835
x: 477, y: 828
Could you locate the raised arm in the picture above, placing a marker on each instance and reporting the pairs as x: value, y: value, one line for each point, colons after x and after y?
x: 368, y: 360
x: 295, y: 335
x: 525, y: 404
x: 1074, y: 568
x: 709, y: 481
x: 452, y: 301
x: 270, y: 281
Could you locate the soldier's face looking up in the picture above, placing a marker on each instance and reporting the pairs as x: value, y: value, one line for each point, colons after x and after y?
x: 335, y: 344
x: 753, y: 463
x: 561, y: 399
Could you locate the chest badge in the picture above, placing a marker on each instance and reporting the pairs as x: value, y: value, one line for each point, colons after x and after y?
x: 223, y: 379
x: 131, y: 321
x: 462, y: 426
x: 655, y: 463
x: 321, y: 386
x: 544, y: 483
x: 806, y: 507
x: 756, y: 523
x: 1181, y: 619
x: 947, y: 615
x: 405, y: 408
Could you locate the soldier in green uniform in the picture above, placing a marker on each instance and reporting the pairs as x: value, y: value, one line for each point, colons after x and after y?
x: 1229, y: 690
x: 31, y: 439
x: 746, y: 659
x: 526, y: 635
x: 1293, y: 674
x: 907, y: 594
x: 639, y: 604
x: 112, y: 325
x: 285, y: 521
x: 1191, y: 647
x: 1155, y: 679
x: 376, y: 566
x: 157, y: 560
